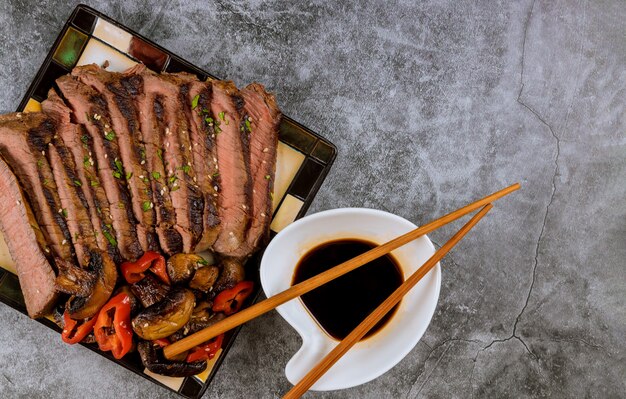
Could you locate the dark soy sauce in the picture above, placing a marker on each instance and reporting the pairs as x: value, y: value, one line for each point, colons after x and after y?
x: 342, y: 304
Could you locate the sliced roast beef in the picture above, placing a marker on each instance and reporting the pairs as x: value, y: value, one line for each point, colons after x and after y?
x: 162, y: 101
x: 91, y: 109
x: 24, y: 140
x: 124, y: 120
x: 261, y: 123
x: 25, y: 243
x: 79, y: 143
x: 170, y: 234
x: 195, y: 99
x: 233, y: 163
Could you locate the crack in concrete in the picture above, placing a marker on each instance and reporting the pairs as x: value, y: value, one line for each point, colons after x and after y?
x: 519, y: 100
x: 556, y: 170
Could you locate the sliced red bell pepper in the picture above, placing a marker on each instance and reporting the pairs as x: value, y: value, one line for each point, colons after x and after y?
x: 134, y: 271
x: 113, y: 329
x: 73, y: 332
x: 229, y: 301
x: 205, y: 351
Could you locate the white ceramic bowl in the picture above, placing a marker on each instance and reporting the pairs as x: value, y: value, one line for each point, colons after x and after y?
x: 375, y: 355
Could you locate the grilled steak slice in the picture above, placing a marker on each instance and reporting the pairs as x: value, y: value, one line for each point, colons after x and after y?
x: 235, y: 184
x: 24, y: 140
x: 261, y: 123
x: 24, y: 242
x: 125, y: 124
x: 195, y: 99
x: 162, y: 100
x: 79, y: 143
x: 151, y: 116
x: 90, y: 109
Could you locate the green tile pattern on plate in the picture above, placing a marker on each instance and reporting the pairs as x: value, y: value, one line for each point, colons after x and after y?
x: 69, y: 49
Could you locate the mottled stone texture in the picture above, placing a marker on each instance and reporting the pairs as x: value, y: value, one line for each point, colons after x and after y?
x: 431, y: 105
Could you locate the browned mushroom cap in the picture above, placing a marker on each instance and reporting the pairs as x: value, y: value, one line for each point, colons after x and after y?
x: 103, y: 269
x: 180, y: 267
x: 232, y: 273
x: 166, y: 317
x: 204, y: 278
x: 153, y: 361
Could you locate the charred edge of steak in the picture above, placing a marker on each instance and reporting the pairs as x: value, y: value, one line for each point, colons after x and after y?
x: 70, y: 170
x: 100, y: 200
x: 196, y: 212
x: 133, y: 84
x: 159, y: 109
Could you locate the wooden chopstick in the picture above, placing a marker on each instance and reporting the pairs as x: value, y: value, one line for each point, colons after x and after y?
x: 370, y: 321
x: 295, y: 291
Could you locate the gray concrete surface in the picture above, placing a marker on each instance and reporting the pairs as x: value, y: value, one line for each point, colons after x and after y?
x: 431, y: 105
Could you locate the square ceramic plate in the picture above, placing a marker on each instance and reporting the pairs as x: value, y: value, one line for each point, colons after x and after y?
x: 304, y: 157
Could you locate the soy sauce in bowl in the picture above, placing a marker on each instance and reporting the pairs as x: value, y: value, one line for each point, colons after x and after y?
x: 340, y: 305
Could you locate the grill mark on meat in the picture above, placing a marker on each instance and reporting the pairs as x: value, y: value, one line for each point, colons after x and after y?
x: 187, y: 199
x: 151, y: 122
x: 91, y: 110
x: 202, y: 135
x: 22, y: 140
x: 124, y: 121
x: 234, y: 194
x: 263, y: 120
x: 25, y: 241
x: 79, y: 144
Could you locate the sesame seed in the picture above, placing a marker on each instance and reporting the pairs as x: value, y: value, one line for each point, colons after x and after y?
x: 63, y: 242
x: 194, y: 179
x: 264, y: 161
x: 141, y: 176
x: 262, y: 214
x: 151, y: 205
x: 60, y: 210
x: 47, y: 250
x: 230, y: 233
x: 43, y: 153
x: 266, y: 149
x: 143, y: 161
x: 214, y: 159
x: 215, y: 188
x: 167, y: 144
x: 170, y: 171
x: 18, y: 202
x: 105, y: 156
x: 89, y: 153
x: 106, y: 126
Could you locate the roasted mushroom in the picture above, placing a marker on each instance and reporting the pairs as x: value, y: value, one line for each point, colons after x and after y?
x: 104, y: 273
x: 204, y: 278
x: 166, y: 317
x: 149, y: 290
x: 181, y: 267
x: 232, y: 273
x: 195, y: 325
x: 153, y: 360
